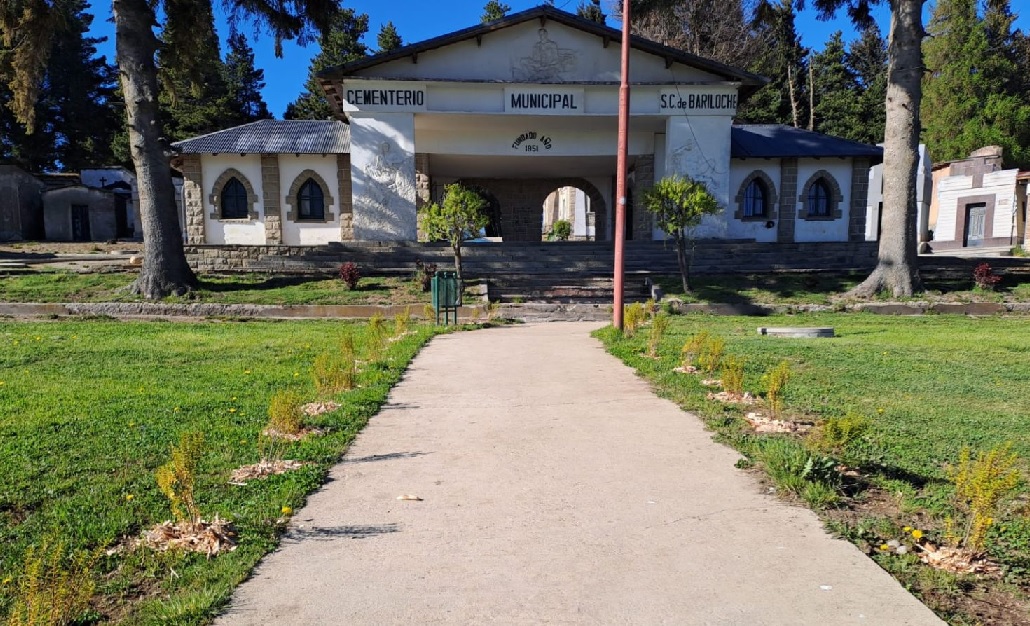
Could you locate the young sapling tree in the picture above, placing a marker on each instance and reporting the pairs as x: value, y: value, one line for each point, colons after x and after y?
x: 460, y: 218
x: 678, y: 205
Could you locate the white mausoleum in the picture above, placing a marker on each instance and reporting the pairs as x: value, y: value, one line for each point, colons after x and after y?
x: 517, y: 109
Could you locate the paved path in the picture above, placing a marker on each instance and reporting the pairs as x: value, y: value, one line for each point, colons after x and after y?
x: 556, y: 489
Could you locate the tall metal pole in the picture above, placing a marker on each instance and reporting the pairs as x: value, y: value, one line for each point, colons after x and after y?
x: 623, y: 157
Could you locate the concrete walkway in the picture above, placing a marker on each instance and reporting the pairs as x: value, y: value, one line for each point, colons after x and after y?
x: 556, y: 489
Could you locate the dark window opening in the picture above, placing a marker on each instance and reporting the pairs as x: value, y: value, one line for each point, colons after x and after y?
x: 819, y: 199
x: 755, y: 199
x: 234, y: 201
x: 311, y: 201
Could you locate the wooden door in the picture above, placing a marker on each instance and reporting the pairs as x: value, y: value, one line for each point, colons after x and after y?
x: 976, y: 222
x: 80, y: 222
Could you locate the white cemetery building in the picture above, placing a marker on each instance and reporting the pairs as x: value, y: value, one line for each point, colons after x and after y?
x: 518, y: 109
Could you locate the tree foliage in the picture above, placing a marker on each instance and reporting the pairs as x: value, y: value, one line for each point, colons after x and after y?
x: 388, y: 38
x: 460, y: 217
x: 721, y: 30
x: 836, y: 94
x: 972, y: 96
x: 678, y: 205
x: 785, y: 99
x: 867, y: 59
x: 494, y: 10
x: 340, y: 44
x: 592, y: 11
x: 244, y: 82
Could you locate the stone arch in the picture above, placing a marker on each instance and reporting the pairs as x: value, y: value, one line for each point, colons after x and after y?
x: 836, y: 197
x: 216, y: 193
x: 771, y: 200
x: 291, y: 198
x: 597, y: 202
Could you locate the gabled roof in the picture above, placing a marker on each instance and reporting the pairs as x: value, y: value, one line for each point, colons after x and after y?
x: 777, y: 141
x: 750, y: 82
x: 273, y: 137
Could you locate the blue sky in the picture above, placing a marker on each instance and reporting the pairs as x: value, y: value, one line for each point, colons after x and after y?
x: 417, y: 20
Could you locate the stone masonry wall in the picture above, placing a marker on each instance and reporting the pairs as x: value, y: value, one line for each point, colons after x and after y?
x: 859, y: 199
x: 787, y: 217
x: 193, y: 198
x: 270, y: 190
x: 346, y: 198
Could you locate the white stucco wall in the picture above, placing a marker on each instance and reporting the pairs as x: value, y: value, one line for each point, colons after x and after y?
x: 739, y: 171
x: 309, y: 233
x: 952, y: 191
x: 245, y: 232
x: 824, y: 230
x: 699, y: 147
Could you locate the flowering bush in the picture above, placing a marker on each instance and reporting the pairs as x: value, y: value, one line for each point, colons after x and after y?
x: 984, y: 277
x: 350, y: 275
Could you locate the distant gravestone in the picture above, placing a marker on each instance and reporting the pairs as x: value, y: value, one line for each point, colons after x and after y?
x: 797, y: 332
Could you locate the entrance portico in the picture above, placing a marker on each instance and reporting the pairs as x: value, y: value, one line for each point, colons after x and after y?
x: 529, y: 99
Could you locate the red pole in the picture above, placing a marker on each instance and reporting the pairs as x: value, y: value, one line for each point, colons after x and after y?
x: 623, y: 157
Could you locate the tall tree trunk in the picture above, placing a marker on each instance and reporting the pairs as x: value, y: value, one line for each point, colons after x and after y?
x: 457, y: 270
x: 165, y: 270
x: 681, y: 258
x: 897, y: 269
x: 793, y: 97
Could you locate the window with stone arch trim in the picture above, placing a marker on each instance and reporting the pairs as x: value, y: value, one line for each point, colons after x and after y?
x: 821, y: 198
x: 219, y: 187
x: 759, y: 180
x: 293, y: 198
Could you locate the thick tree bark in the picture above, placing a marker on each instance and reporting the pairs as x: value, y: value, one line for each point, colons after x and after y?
x: 165, y: 270
x: 457, y: 270
x: 897, y: 269
x: 681, y: 258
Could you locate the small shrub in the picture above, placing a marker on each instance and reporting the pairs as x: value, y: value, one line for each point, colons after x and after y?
x: 776, y: 381
x: 710, y: 357
x: 633, y: 317
x: 54, y: 587
x: 375, y: 339
x: 284, y: 413
x: 984, y: 277
x: 692, y: 348
x: 178, y: 477
x: 424, y: 274
x: 350, y: 274
x: 733, y: 375
x: 402, y: 321
x: 428, y: 313
x: 839, y: 432
x: 794, y: 469
x: 654, y: 337
x: 561, y: 230
x: 332, y: 373
x: 1019, y: 251
x: 981, y: 485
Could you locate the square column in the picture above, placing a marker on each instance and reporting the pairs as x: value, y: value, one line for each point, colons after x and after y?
x: 383, y: 177
x: 699, y: 147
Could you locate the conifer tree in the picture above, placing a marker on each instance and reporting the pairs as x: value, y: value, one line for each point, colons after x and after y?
x: 721, y: 30
x: 836, y: 94
x: 785, y: 99
x: 340, y: 44
x: 243, y: 82
x: 388, y: 39
x: 867, y: 59
x: 592, y: 11
x: 494, y: 10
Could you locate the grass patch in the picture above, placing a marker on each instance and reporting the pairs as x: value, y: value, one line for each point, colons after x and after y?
x: 920, y: 388
x: 90, y: 410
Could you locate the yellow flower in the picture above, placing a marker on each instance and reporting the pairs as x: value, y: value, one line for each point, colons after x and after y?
x: 246, y: 371
x: 176, y: 409
x: 296, y: 374
x: 917, y: 534
x: 8, y: 580
x: 129, y: 497
x: 879, y: 410
x: 131, y: 424
x: 287, y: 510
x: 907, y: 529
x: 884, y: 547
x: 232, y: 409
x: 1, y: 383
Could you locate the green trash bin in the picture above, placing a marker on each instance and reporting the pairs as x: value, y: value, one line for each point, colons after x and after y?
x: 446, y: 298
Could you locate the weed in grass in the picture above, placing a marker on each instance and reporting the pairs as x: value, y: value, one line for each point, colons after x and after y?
x: 285, y: 415
x: 402, y: 321
x: 794, y: 469
x: 709, y: 359
x: 837, y: 433
x: 54, y: 587
x: 178, y: 478
x: 350, y: 275
x: 981, y: 485
x: 659, y: 326
x: 733, y: 375
x: 776, y: 381
x: 475, y: 314
x: 333, y: 373
x: 375, y: 339
x: 692, y: 348
x: 1019, y: 251
x: 428, y: 313
x: 633, y: 317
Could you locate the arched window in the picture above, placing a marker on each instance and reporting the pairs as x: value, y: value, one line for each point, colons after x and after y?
x: 755, y: 199
x: 819, y: 199
x: 311, y: 201
x: 235, y: 205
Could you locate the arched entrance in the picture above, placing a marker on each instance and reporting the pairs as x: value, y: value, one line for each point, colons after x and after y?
x: 521, y: 203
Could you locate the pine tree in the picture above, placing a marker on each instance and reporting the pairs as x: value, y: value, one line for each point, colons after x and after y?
x: 76, y: 117
x: 388, y: 39
x: 836, y: 94
x: 494, y: 10
x: 785, y: 99
x: 340, y: 44
x: 591, y: 11
x: 244, y: 83
x: 968, y: 102
x: 867, y: 59
x: 721, y: 30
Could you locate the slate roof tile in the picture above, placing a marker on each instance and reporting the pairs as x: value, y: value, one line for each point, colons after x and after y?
x: 273, y: 137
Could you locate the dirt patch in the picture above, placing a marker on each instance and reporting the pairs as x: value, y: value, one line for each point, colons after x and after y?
x: 208, y: 538
x: 99, y: 248
x: 261, y: 469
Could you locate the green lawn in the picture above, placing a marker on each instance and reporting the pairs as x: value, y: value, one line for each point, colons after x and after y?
x: 89, y: 410
x: 929, y: 386
x: 63, y: 286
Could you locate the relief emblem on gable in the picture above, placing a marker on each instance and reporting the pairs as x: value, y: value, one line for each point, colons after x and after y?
x: 545, y: 63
